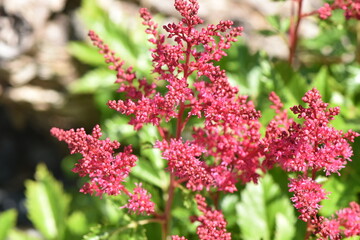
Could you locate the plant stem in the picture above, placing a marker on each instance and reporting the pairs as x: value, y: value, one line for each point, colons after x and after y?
x: 179, y: 127
x: 309, y: 228
x: 135, y: 224
x: 294, y: 29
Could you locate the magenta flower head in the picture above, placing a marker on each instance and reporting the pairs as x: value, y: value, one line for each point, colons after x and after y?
x: 351, y: 9
x: 195, y: 87
x: 140, y: 201
x: 311, y: 146
x: 349, y: 219
x: 106, y: 170
x: 346, y: 223
x: 212, y: 223
x: 176, y: 237
x: 307, y: 196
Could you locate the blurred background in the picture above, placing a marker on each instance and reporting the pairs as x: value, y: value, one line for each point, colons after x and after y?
x: 50, y: 75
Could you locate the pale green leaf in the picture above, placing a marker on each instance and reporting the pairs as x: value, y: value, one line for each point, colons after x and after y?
x: 7, y: 222
x: 77, y: 223
x: 86, y: 53
x: 146, y: 172
x: 16, y: 234
x: 264, y: 212
x: 47, y: 204
x: 93, y: 81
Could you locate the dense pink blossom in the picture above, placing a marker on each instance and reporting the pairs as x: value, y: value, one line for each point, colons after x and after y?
x: 230, y: 133
x: 307, y: 196
x: 212, y: 223
x: 312, y: 145
x: 345, y: 223
x: 351, y: 8
x: 325, y: 11
x: 140, y: 201
x: 349, y: 219
x: 176, y: 237
x: 105, y: 169
x: 329, y: 229
x: 183, y: 161
x: 125, y: 76
x: 230, y: 130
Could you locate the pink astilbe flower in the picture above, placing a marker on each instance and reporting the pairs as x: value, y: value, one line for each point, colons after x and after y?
x: 105, y: 169
x: 212, y: 223
x: 349, y: 219
x: 183, y: 161
x: 312, y: 145
x: 346, y: 223
x: 125, y: 76
x: 140, y: 201
x: 176, y: 237
x: 329, y: 229
x: 231, y: 127
x: 325, y: 11
x: 351, y: 9
x: 307, y: 196
x: 231, y: 132
x: 277, y: 128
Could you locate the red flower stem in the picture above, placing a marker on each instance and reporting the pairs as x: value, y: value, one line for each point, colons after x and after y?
x: 161, y: 132
x: 309, y: 230
x: 181, y: 180
x: 179, y: 128
x: 294, y: 29
x: 309, y: 14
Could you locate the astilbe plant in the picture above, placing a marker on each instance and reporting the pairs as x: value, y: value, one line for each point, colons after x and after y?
x: 227, y: 148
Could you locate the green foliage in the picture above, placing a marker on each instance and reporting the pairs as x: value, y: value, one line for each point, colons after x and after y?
x: 265, y: 212
x: 47, y: 204
x: 7, y: 221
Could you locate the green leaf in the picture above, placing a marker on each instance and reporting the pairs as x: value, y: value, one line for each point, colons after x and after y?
x: 146, y: 172
x: 321, y: 83
x: 132, y: 231
x: 16, y: 234
x: 93, y: 80
x: 97, y: 232
x: 266, y: 32
x: 228, y: 206
x: 274, y: 21
x: 265, y: 212
x: 77, y: 223
x: 86, y: 53
x: 47, y: 204
x: 342, y: 191
x: 7, y: 222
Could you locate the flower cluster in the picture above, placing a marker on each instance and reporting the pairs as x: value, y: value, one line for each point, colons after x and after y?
x: 346, y: 223
x: 212, y: 223
x: 183, y: 161
x: 351, y: 9
x: 307, y: 196
x: 176, y: 237
x: 140, y: 201
x: 311, y: 146
x: 106, y: 170
x: 349, y: 219
x: 230, y: 134
x: 308, y: 148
